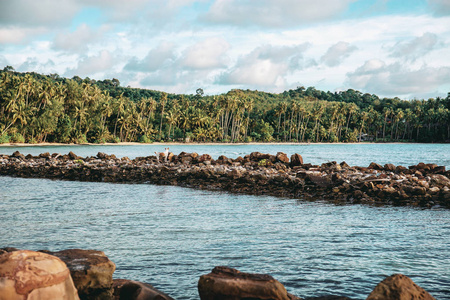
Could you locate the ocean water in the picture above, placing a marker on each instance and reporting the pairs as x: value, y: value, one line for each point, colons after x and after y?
x: 169, y: 236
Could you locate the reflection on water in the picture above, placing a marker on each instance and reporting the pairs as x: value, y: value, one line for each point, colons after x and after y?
x: 169, y: 236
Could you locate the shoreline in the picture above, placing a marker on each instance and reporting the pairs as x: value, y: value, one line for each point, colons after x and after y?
x: 205, y: 144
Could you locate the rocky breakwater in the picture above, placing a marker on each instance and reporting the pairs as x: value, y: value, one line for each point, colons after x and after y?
x: 424, y: 185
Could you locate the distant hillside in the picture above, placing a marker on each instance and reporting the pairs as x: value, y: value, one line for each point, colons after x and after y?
x: 48, y: 108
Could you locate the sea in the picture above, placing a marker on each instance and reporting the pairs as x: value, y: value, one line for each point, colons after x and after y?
x: 169, y: 236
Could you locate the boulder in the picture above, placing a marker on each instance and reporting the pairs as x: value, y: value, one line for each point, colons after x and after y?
x: 282, y: 157
x: 440, y: 180
x: 135, y: 290
x: 33, y: 275
x: 375, y: 166
x: 17, y: 154
x: 72, y: 156
x: 389, y: 167
x: 204, y: 157
x: 227, y: 283
x: 91, y: 272
x: 399, y: 287
x: 45, y: 155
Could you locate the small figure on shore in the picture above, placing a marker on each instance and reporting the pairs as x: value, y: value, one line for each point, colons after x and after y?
x: 164, y: 154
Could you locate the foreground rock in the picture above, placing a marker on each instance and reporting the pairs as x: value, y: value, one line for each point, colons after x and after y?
x: 33, y: 275
x: 135, y: 290
x: 424, y: 185
x: 399, y: 287
x: 91, y: 272
x: 30, y: 275
x: 230, y: 284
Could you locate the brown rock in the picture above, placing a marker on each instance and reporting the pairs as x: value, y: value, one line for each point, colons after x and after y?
x: 440, y: 180
x: 399, y: 287
x: 375, y: 166
x: 72, y: 155
x: 135, y: 290
x: 33, y: 275
x: 389, y: 167
x: 91, y: 272
x: 282, y: 157
x: 45, y: 155
x: 204, y: 157
x: 296, y: 160
x: 230, y: 284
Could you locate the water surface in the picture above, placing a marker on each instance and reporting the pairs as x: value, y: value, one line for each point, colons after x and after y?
x: 170, y: 236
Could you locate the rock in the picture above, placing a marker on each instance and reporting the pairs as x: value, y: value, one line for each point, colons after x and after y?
x: 204, y: 157
x: 375, y: 166
x: 440, y: 180
x: 282, y: 157
x: 399, y: 287
x: 296, y: 160
x: 91, y: 272
x: 17, y: 154
x: 329, y: 298
x: 389, y: 167
x: 135, y: 290
x: 72, y: 155
x: 230, y: 284
x: 45, y: 155
x: 102, y: 155
x: 33, y: 275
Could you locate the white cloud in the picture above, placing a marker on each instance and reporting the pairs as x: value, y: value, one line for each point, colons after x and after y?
x: 396, y: 79
x: 92, y: 65
x: 37, y: 13
x: 79, y: 40
x: 156, y: 58
x: 17, y: 35
x: 273, y: 13
x: 207, y: 54
x: 440, y: 7
x: 33, y: 64
x: 265, y: 66
x: 415, y: 48
x: 337, y: 53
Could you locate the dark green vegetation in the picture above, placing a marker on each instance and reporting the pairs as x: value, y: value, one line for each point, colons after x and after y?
x: 36, y: 108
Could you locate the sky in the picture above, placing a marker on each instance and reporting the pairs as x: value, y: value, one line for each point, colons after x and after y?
x: 391, y: 48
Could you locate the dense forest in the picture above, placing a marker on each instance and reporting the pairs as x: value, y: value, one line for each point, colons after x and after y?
x: 38, y: 108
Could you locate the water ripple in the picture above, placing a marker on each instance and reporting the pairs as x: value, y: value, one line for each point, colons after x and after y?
x: 170, y: 236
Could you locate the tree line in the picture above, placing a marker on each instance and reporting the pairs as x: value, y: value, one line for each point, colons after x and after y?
x: 37, y: 108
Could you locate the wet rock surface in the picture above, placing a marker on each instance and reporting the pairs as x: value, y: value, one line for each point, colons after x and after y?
x: 227, y: 283
x: 424, y: 185
x: 135, y: 290
x: 91, y: 271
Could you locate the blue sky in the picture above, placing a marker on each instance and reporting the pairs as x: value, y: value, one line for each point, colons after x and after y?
x: 385, y: 47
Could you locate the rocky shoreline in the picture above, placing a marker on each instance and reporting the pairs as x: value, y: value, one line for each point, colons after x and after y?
x: 421, y: 185
x: 76, y: 274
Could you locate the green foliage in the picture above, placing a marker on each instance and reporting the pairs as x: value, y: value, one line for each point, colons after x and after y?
x: 39, y: 108
x: 17, y: 138
x: 145, y: 139
x: 4, y: 138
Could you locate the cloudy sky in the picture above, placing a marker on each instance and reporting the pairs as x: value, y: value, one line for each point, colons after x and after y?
x: 386, y: 47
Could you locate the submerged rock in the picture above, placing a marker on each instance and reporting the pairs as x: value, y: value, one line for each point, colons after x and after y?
x: 135, y: 290
x: 34, y: 275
